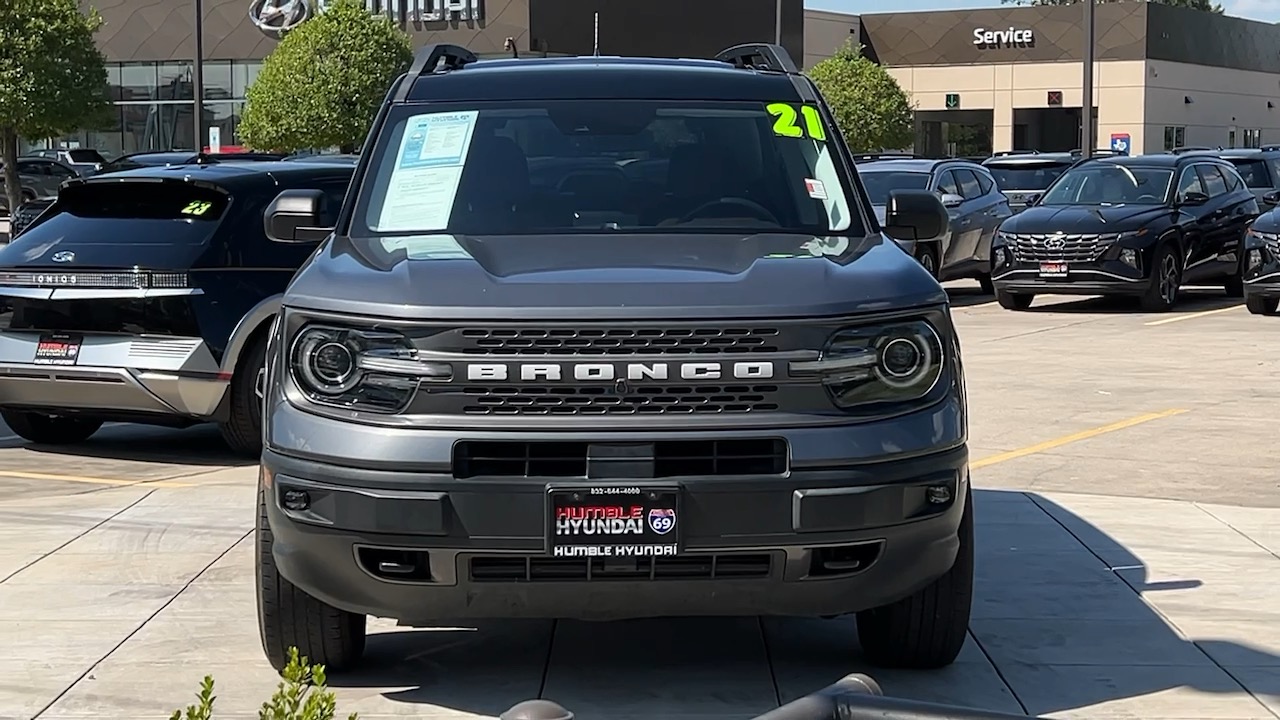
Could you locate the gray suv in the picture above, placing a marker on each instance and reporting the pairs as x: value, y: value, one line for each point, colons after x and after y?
x: 1259, y: 167
x: 974, y: 204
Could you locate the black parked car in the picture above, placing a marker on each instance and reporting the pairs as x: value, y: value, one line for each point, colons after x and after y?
x: 169, y: 158
x: 1262, y: 261
x: 147, y: 295
x: 1139, y: 226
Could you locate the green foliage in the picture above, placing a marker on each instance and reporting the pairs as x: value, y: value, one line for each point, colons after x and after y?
x: 322, y: 85
x: 870, y: 108
x: 1204, y: 5
x: 301, y: 695
x: 53, y: 78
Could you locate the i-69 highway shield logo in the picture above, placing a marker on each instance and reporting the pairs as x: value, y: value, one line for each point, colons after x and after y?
x: 662, y: 520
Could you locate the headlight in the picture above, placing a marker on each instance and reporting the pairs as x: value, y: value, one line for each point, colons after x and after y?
x: 876, y: 365
x: 359, y: 369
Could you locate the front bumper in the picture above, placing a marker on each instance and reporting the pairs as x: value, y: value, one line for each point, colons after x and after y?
x: 125, y: 376
x: 1095, y: 277
x: 825, y: 537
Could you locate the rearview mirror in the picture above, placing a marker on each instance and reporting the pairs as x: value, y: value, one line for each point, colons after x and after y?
x: 914, y: 215
x: 297, y: 216
x: 952, y: 200
x: 1193, y: 198
x: 1271, y: 198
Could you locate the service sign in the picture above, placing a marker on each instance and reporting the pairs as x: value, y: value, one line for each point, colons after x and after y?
x: 1009, y: 37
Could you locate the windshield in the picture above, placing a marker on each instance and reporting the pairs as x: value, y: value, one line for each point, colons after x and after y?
x: 130, y: 213
x: 880, y: 182
x: 1254, y: 172
x: 85, y: 155
x: 1026, y: 177
x: 1110, y: 185
x: 592, y: 166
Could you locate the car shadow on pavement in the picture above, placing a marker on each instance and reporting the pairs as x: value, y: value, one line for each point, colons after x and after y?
x: 1065, y: 619
x: 200, y: 445
x: 967, y: 297
x: 1192, y: 300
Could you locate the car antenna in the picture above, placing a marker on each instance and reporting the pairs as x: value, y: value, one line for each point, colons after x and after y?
x: 596, y: 36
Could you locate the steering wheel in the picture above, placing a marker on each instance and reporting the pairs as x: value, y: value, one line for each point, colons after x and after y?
x: 756, y: 210
x: 1147, y: 198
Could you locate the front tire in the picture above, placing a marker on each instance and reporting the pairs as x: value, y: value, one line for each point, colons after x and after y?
x: 288, y: 617
x: 1166, y: 281
x: 1262, y: 306
x: 1010, y: 301
x: 927, y: 255
x: 49, y: 429
x: 926, y: 630
x: 988, y: 287
x: 242, y: 431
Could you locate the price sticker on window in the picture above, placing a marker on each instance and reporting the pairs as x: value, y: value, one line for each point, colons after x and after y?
x: 797, y: 121
x: 197, y: 208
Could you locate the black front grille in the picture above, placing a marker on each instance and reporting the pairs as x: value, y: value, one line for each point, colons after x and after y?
x: 515, y: 568
x: 619, y: 341
x: 672, y: 458
x: 1057, y: 248
x: 605, y: 400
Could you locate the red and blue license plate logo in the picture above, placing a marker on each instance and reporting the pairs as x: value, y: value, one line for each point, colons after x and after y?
x: 662, y: 520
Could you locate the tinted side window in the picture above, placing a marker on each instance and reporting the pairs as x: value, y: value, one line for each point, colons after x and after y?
x: 60, y: 171
x: 32, y: 168
x: 947, y: 183
x: 985, y: 181
x: 1234, y: 181
x: 969, y: 186
x: 1189, y: 182
x: 1214, y: 183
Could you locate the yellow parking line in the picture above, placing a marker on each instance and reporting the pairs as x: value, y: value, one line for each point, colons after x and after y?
x: 90, y: 480
x: 1075, y: 437
x: 1190, y: 316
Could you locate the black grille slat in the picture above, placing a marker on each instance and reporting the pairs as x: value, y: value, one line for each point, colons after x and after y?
x: 508, y: 568
x: 674, y: 458
x: 618, y: 341
x: 1045, y: 248
x: 605, y: 400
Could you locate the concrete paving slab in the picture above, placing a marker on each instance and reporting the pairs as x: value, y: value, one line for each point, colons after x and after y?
x: 27, y: 689
x: 1257, y: 524
x: 1263, y: 683
x: 1055, y: 641
x: 702, y: 665
x: 54, y: 603
x: 1051, y: 585
x: 1234, y: 642
x: 154, y: 690
x: 78, y: 643
x: 62, y: 568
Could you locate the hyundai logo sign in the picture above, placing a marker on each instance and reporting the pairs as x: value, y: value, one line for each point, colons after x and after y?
x: 65, y: 256
x: 277, y: 17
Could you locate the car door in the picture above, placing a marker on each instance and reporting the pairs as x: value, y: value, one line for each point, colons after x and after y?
x: 1242, y: 208
x: 995, y: 210
x: 945, y: 184
x: 969, y: 220
x: 60, y: 173
x: 1215, y: 223
x: 35, y: 176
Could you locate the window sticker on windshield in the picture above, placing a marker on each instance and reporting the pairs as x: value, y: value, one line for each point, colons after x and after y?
x: 815, y: 188
x: 196, y: 208
x: 424, y: 183
x: 788, y: 119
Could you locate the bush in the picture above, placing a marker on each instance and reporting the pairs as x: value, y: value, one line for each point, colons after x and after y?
x: 301, y: 695
x: 871, y: 110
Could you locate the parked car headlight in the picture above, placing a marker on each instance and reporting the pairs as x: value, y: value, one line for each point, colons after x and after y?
x: 359, y: 369
x: 870, y: 367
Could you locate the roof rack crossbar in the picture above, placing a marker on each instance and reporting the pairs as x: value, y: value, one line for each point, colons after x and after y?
x: 1269, y: 148
x: 759, y: 56
x: 428, y: 59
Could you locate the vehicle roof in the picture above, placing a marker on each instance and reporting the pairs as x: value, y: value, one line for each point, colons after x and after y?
x: 596, y: 78
x: 1237, y: 152
x: 227, y: 174
x: 1032, y: 159
x: 1166, y: 160
x: 923, y: 165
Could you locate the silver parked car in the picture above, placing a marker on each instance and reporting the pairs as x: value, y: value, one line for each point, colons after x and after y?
x: 85, y: 161
x: 40, y: 177
x: 973, y: 201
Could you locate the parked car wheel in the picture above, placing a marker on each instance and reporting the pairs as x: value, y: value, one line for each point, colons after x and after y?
x: 1166, y: 281
x: 49, y: 429
x: 988, y: 287
x: 1262, y: 306
x: 927, y: 255
x: 243, y: 429
x: 1010, y: 301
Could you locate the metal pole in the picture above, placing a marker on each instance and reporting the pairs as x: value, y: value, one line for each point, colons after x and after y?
x: 1086, y: 111
x: 197, y: 78
x: 777, y: 23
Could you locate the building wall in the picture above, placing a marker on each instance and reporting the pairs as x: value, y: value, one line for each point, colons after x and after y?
x: 1222, y: 100
x: 825, y: 32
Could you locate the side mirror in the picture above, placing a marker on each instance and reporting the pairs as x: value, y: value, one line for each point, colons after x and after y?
x: 1193, y: 198
x: 1032, y: 199
x: 1271, y: 198
x: 952, y: 200
x: 297, y: 216
x: 915, y: 215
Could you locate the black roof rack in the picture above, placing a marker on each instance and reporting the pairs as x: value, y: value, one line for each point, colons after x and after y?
x: 1194, y: 148
x: 759, y: 56
x: 872, y: 157
x: 1268, y: 148
x: 1007, y: 153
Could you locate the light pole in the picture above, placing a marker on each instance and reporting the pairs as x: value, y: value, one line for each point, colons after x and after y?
x: 197, y: 78
x: 777, y: 23
x: 1086, y: 111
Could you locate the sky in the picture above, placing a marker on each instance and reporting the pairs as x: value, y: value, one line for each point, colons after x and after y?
x: 1265, y: 10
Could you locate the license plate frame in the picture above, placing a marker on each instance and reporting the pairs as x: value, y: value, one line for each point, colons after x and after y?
x: 58, y: 349
x: 1054, y: 269
x: 659, y: 507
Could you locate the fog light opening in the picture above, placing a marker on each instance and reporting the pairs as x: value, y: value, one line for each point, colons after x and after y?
x: 938, y: 494
x: 1255, y: 259
x: 1129, y: 257
x: 296, y: 500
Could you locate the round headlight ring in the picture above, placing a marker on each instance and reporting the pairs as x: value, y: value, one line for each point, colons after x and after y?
x: 335, y: 376
x: 923, y: 364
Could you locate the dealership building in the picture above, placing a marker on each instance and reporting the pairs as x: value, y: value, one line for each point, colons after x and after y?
x: 981, y: 80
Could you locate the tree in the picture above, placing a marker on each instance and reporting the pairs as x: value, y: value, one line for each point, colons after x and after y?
x: 322, y: 85
x: 871, y: 110
x: 1204, y: 5
x: 53, y: 78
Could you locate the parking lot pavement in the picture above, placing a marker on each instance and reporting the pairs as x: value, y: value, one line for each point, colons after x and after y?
x: 1128, y: 560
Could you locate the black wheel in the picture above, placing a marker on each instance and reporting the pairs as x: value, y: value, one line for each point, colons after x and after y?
x: 288, y: 617
x: 988, y: 287
x: 927, y: 255
x: 243, y: 429
x: 925, y: 630
x: 1010, y: 301
x: 49, y: 429
x: 1166, y: 281
x: 1262, y: 306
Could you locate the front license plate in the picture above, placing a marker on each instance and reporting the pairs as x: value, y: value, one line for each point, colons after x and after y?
x: 1053, y: 269
x: 613, y: 522
x: 58, y: 349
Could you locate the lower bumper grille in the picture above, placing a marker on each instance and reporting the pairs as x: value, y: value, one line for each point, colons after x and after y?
x: 605, y: 400
x: 1058, y: 248
x: 674, y: 458
x: 729, y: 566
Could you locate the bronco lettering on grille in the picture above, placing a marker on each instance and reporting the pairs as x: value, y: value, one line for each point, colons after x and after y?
x: 608, y: 372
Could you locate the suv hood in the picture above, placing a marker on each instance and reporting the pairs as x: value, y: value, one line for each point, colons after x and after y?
x: 1083, y: 218
x: 611, y: 275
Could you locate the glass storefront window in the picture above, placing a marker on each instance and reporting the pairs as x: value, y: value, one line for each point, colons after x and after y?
x: 137, y: 81
x: 243, y: 73
x: 217, y: 80
x: 173, y: 80
x: 223, y: 116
